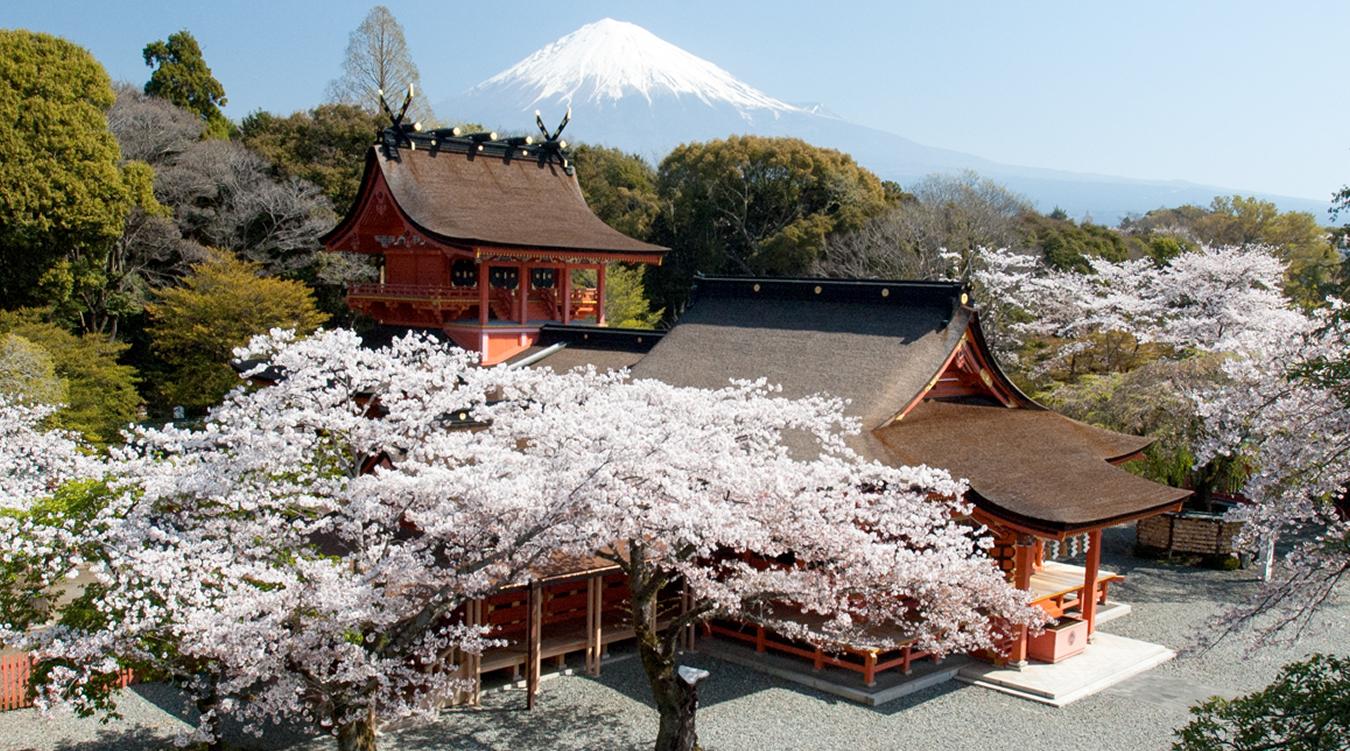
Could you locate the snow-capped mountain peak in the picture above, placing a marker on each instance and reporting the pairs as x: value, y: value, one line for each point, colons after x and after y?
x: 609, y: 59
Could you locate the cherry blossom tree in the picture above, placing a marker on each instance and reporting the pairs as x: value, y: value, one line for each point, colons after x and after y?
x: 1283, y: 398
x: 753, y: 505
x: 37, y: 459
x: 305, y: 552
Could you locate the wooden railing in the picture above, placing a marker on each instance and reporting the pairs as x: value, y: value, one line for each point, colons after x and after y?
x: 414, y: 292
x: 15, y: 672
x: 502, y: 300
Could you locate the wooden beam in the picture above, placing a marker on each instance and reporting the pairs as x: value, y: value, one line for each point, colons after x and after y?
x: 533, y: 636
x: 1088, y: 596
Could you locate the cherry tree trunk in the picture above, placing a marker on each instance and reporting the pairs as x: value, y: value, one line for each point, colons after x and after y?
x: 676, y: 700
x: 359, y: 734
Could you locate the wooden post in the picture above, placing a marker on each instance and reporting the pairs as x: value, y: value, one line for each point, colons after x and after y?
x: 532, y: 638
x: 483, y: 286
x: 594, y: 625
x: 523, y: 289
x: 1022, y: 580
x: 759, y: 638
x: 565, y: 292
x: 1088, y: 597
x: 870, y: 668
x: 600, y: 295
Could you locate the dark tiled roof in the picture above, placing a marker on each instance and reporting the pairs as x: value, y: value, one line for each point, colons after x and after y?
x: 874, y: 343
x: 879, y: 344
x: 1033, y: 466
x: 497, y: 200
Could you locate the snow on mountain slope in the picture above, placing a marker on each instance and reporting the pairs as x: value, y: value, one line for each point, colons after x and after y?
x: 609, y: 60
x: 631, y: 89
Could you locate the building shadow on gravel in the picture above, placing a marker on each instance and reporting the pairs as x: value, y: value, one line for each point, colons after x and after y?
x: 728, y: 682
x: 552, y: 726
x: 112, y: 739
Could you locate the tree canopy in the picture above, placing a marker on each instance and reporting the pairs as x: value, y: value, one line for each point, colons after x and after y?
x: 325, y: 146
x: 619, y: 187
x: 378, y: 60
x: 100, y: 396
x: 181, y: 76
x: 63, y: 193
x: 1307, y: 708
x: 1313, y: 263
x: 220, y: 306
x: 755, y: 205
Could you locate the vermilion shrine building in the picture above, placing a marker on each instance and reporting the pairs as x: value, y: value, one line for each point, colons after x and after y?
x: 480, y: 239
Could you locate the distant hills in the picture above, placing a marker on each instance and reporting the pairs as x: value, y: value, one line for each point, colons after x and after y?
x: 631, y: 89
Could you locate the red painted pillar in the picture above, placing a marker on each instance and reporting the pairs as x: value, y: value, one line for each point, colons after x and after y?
x: 600, y: 295
x: 1088, y: 596
x: 565, y: 292
x: 523, y: 289
x: 483, y: 285
x: 1022, y: 580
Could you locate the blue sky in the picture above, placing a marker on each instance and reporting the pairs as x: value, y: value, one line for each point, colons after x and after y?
x: 1247, y: 95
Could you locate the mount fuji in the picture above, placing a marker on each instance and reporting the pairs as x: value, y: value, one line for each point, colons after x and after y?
x: 630, y: 89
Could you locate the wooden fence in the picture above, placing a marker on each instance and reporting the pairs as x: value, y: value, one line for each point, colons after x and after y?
x: 15, y: 670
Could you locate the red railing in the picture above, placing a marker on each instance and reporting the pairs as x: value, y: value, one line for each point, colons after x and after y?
x: 15, y: 671
x: 414, y: 292
x: 581, y: 298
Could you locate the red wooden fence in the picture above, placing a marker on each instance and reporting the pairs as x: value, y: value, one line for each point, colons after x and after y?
x: 14, y: 672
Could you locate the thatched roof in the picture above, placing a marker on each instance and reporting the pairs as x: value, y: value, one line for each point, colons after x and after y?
x: 1031, y: 466
x: 493, y: 201
x: 881, y: 345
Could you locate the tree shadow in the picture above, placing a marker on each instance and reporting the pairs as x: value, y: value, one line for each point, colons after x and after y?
x: 117, y: 739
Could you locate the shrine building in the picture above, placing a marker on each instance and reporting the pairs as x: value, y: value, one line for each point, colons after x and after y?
x: 480, y: 238
x: 485, y: 240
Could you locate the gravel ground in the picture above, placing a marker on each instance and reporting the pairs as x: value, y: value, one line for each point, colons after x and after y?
x: 745, y: 711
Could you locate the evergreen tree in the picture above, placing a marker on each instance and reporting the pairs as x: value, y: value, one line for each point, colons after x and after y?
x: 182, y: 77
x: 63, y: 194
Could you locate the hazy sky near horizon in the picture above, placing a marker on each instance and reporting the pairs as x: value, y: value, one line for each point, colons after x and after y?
x: 1242, y: 95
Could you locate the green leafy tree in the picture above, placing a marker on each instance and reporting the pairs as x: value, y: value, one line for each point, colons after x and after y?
x: 1065, y: 244
x: 626, y: 302
x: 749, y: 204
x: 326, y: 146
x: 64, y: 196
x: 100, y: 391
x: 27, y: 373
x: 1307, y: 708
x: 619, y: 187
x: 221, y: 305
x: 1154, y: 400
x: 1314, y: 264
x: 181, y: 76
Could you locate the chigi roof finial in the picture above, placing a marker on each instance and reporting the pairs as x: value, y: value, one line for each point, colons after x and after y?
x: 553, y: 146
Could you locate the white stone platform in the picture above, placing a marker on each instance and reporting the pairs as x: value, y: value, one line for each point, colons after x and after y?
x: 1108, y: 660
x: 890, y: 684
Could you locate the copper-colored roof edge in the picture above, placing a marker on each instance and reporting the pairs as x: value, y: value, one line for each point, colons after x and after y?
x: 1061, y: 529
x: 354, y: 210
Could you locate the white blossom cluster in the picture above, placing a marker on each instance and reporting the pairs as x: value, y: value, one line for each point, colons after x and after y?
x: 37, y: 459
x: 1294, y: 429
x: 304, y: 553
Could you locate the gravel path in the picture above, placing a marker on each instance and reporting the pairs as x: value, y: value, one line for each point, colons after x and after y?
x: 745, y: 711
